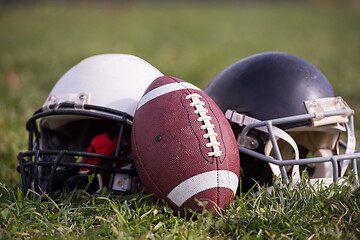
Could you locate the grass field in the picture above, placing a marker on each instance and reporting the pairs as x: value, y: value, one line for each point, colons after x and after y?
x: 191, y: 41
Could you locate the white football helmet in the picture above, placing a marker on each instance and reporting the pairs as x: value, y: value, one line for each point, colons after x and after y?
x: 84, y: 127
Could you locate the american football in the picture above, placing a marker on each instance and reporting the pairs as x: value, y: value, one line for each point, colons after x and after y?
x: 184, y: 149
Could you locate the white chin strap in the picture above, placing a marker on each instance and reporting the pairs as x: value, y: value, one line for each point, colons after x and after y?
x: 244, y: 120
x: 350, y: 148
x: 324, y: 169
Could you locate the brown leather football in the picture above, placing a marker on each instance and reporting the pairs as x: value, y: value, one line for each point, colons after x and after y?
x: 183, y: 146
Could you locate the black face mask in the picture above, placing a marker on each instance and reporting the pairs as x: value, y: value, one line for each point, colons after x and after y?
x: 59, y: 153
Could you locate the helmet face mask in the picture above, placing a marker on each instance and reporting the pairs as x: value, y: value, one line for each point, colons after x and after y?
x: 83, y: 130
x: 286, y: 118
x: 58, y: 155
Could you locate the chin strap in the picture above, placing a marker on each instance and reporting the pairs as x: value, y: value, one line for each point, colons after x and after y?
x: 350, y: 147
x: 244, y: 120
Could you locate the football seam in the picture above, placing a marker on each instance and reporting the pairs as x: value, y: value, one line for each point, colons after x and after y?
x: 220, y: 131
x: 218, y: 184
x: 201, y: 111
x: 222, y: 140
x: 213, y: 115
x: 193, y: 131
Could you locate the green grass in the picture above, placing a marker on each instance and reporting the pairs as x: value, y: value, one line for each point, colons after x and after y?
x: 190, y: 41
x: 299, y: 212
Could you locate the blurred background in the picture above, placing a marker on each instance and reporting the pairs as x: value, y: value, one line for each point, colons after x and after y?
x: 191, y: 40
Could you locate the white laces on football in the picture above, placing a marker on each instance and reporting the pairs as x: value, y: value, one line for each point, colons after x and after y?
x: 211, y: 134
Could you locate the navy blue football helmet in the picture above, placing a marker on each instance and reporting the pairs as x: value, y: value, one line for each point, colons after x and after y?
x: 286, y: 117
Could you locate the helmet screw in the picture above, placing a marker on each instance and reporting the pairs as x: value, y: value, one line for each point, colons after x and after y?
x: 158, y: 138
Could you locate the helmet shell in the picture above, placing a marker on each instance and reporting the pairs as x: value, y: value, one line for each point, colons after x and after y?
x: 269, y: 85
x: 115, y: 81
